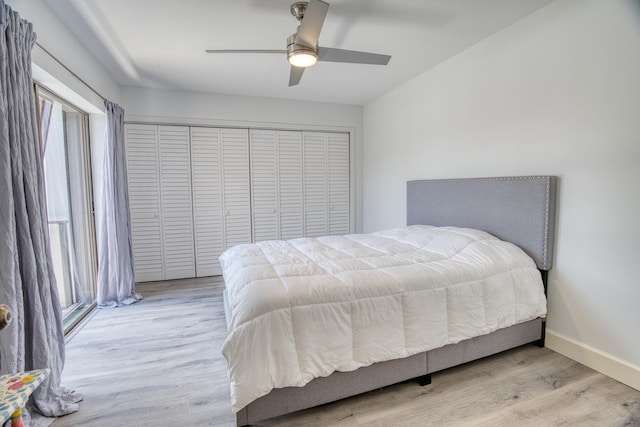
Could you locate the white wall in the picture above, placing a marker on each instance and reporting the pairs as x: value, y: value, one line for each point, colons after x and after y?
x: 556, y: 93
x: 199, y: 108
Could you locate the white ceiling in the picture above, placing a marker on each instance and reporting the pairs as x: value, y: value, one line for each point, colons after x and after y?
x: 162, y: 43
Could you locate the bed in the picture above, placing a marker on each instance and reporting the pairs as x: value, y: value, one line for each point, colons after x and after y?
x: 311, y: 321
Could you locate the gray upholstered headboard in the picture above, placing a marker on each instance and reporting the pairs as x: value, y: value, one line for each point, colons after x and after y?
x: 518, y: 209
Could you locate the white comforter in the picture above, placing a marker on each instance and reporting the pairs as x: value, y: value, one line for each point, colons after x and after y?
x: 305, y: 308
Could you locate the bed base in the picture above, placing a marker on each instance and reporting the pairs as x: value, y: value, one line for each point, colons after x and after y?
x: 340, y: 385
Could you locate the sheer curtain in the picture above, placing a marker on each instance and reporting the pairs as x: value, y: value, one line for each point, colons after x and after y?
x: 35, y: 339
x: 116, y: 284
x: 83, y: 255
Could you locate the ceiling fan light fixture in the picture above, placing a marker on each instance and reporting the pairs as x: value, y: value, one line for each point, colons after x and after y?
x: 303, y: 58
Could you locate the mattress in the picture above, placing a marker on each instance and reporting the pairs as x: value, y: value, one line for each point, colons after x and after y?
x: 305, y: 308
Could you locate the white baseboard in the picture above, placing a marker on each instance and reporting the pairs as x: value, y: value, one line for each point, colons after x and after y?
x: 605, y: 363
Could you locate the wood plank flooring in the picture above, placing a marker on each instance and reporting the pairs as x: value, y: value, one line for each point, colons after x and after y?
x: 158, y: 363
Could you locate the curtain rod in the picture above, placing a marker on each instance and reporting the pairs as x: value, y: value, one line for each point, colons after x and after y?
x: 72, y: 73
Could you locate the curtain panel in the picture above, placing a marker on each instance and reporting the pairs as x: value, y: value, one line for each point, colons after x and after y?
x: 35, y: 338
x: 116, y: 282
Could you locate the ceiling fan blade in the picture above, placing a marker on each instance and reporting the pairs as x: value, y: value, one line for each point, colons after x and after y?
x: 311, y: 24
x: 295, y: 75
x: 329, y: 54
x: 244, y: 51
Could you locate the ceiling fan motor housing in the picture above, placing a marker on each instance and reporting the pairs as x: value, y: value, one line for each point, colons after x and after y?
x: 292, y: 46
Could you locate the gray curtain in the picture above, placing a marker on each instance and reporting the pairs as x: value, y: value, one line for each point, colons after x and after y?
x: 116, y: 284
x: 35, y: 338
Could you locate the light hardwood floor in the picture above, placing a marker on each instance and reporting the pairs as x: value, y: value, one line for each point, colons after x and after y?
x: 158, y: 363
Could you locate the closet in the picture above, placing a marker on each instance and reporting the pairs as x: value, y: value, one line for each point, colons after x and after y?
x: 276, y: 185
x: 159, y: 172
x: 195, y: 191
x: 326, y: 183
x: 221, y: 193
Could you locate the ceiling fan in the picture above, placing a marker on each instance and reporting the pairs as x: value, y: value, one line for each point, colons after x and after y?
x: 302, y: 46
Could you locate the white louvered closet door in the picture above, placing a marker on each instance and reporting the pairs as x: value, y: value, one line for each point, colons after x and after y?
x: 206, y: 178
x: 315, y: 183
x: 177, y: 217
x: 145, y: 207
x: 264, y: 185
x: 338, y: 181
x: 195, y: 192
x: 236, y: 187
x: 290, y: 185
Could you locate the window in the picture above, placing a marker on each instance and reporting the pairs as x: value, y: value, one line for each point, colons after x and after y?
x: 67, y: 171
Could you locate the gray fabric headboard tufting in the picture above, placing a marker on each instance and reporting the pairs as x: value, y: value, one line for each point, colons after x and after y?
x: 518, y: 209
